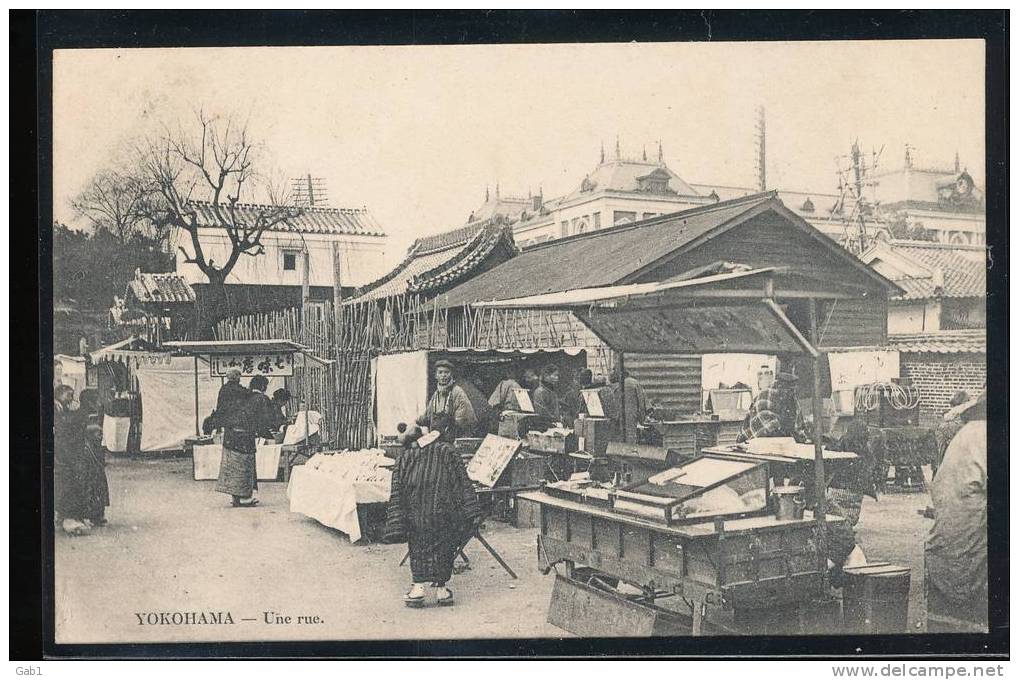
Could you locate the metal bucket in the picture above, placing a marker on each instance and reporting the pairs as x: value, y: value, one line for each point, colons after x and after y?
x: 875, y: 598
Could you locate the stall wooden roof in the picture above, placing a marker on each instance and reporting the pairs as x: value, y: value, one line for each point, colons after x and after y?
x: 701, y: 315
x: 204, y: 347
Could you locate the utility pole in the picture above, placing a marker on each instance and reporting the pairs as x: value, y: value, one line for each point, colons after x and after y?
x: 309, y: 191
x: 762, y: 176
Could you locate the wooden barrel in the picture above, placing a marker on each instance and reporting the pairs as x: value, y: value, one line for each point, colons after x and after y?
x: 875, y: 599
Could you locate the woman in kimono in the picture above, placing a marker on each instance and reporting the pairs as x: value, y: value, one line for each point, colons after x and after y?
x: 243, y: 422
x: 434, y: 509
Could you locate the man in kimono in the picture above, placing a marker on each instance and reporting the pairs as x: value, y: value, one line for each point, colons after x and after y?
x: 243, y: 421
x: 956, y: 551
x: 545, y: 399
x: 434, y: 509
x: 449, y: 410
x: 774, y: 412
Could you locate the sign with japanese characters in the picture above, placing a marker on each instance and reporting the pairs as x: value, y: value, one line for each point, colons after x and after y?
x: 269, y: 365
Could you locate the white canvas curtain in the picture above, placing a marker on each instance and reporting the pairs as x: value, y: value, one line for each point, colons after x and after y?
x: 401, y: 389
x: 168, y: 401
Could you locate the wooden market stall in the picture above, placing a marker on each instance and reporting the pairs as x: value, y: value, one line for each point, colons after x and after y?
x: 274, y: 359
x: 739, y: 573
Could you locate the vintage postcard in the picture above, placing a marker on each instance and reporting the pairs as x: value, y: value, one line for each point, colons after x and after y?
x: 519, y: 341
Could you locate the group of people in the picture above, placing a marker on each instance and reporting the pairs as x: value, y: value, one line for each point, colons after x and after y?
x: 81, y: 490
x: 244, y: 414
x: 433, y: 506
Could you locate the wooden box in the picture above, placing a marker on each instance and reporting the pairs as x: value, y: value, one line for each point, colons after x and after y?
x: 515, y: 424
x: 526, y: 469
x: 539, y: 442
x: 595, y: 433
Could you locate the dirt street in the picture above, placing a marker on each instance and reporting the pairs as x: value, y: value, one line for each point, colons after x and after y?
x: 174, y: 545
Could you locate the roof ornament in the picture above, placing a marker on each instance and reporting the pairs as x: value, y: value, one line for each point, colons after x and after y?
x: 603, y: 151
x: 661, y: 154
x: 957, y: 160
x: 486, y: 194
x: 909, y: 155
x: 643, y: 151
x: 617, y: 147
x: 497, y: 190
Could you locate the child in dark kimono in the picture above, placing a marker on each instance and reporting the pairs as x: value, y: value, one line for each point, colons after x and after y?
x: 433, y: 507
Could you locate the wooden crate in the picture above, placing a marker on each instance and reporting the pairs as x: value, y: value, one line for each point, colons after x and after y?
x: 587, y: 611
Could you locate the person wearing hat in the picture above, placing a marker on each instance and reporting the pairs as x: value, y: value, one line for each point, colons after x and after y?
x: 955, y: 556
x: 449, y: 409
x: 774, y: 412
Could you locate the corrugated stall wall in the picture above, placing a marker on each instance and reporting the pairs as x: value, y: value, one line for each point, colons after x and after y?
x: 671, y: 380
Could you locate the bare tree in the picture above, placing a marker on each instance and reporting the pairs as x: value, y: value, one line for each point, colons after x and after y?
x: 117, y: 201
x: 215, y: 163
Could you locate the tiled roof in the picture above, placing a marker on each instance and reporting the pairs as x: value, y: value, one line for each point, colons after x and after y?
x: 609, y: 256
x: 941, y: 342
x: 169, y: 288
x: 442, y: 259
x: 354, y: 221
x: 963, y: 269
x: 486, y: 242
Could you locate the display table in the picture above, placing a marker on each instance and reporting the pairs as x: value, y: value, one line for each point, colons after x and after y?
x: 329, y: 487
x: 207, y: 458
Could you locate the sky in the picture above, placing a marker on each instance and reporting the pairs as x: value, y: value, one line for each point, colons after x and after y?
x: 415, y: 133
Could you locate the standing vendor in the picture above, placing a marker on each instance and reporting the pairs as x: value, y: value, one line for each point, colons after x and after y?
x: 503, y: 397
x: 774, y: 412
x: 633, y: 410
x: 449, y: 410
x: 545, y: 399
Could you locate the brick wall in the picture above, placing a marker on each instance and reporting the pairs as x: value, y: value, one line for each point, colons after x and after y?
x: 939, y: 376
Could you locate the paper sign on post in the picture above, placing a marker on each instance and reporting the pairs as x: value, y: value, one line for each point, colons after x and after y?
x: 491, y: 459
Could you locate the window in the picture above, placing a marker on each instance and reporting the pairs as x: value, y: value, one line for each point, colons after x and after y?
x: 623, y: 217
x: 290, y: 260
x: 597, y: 220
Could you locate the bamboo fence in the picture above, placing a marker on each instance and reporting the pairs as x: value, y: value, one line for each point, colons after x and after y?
x: 341, y: 390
